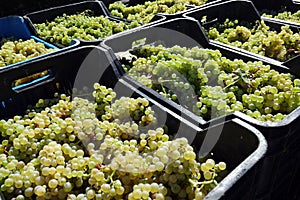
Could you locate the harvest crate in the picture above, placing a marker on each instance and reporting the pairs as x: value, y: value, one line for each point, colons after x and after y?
x: 19, y: 7
x: 275, y: 5
x: 97, y: 7
x: 81, y: 67
x: 189, y: 7
x: 15, y: 27
x: 242, y: 10
x: 274, y: 9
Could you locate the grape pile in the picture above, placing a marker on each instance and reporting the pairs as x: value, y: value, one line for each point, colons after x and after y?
x: 111, y: 149
x: 210, y: 85
x: 284, y: 15
x: 13, y: 51
x: 83, y: 26
x: 16, y: 51
x: 144, y: 13
x: 257, y: 38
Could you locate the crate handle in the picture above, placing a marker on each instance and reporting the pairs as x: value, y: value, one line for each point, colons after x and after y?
x: 209, y: 21
x: 22, y: 86
x: 9, y: 75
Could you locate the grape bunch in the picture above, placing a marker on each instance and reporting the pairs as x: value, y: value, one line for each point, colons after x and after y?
x: 257, y: 38
x: 14, y: 51
x: 284, y: 15
x: 106, y: 149
x: 83, y: 26
x: 144, y: 13
x: 210, y: 85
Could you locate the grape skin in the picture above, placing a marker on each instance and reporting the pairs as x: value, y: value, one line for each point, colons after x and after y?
x: 106, y: 160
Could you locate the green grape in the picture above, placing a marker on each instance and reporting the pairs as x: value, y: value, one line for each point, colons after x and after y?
x: 39, y: 190
x: 222, y: 166
x: 53, y: 183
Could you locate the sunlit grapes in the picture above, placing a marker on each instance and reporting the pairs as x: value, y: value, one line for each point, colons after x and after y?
x: 84, y: 26
x: 13, y: 51
x: 106, y: 149
x: 257, y: 38
x: 144, y: 13
x: 210, y: 85
x: 283, y: 15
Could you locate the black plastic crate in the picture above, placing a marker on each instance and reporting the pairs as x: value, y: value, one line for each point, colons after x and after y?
x: 289, y: 6
x: 283, y: 22
x: 243, y: 10
x: 19, y: 7
x: 189, y: 6
x: 233, y: 187
x: 274, y: 5
x: 83, y: 66
x: 141, y: 2
x: 159, y: 17
x: 282, y: 137
x: 170, y: 33
x: 97, y: 7
x: 264, y: 6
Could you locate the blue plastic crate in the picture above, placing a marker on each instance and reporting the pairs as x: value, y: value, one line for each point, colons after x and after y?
x: 15, y: 27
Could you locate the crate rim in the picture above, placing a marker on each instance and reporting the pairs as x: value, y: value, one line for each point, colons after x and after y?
x: 243, y: 167
x: 62, y: 6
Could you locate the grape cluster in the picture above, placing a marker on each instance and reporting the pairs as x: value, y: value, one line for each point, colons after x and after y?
x: 257, y: 38
x: 144, y: 13
x: 284, y: 15
x: 83, y: 26
x: 14, y: 51
x: 79, y: 150
x: 210, y: 85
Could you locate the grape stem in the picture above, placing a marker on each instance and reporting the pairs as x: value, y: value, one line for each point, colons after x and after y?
x: 163, y: 89
x: 164, y: 81
x: 236, y: 79
x: 111, y: 176
x: 202, y: 183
